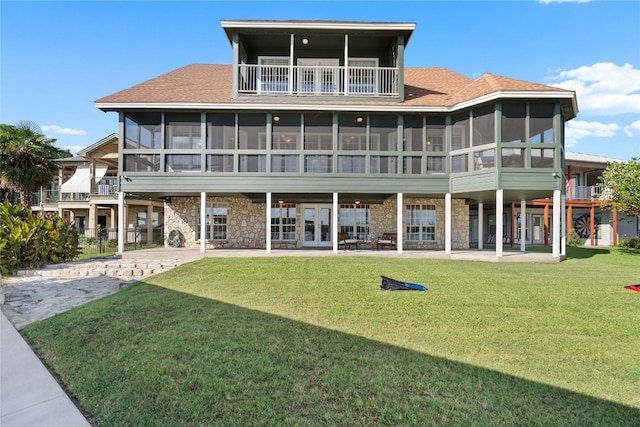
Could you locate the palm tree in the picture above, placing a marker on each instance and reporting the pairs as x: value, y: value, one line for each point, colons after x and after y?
x: 26, y: 159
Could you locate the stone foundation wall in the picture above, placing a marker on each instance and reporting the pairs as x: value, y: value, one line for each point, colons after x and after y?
x: 246, y: 222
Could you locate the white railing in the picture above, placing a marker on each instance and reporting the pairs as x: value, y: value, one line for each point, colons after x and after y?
x: 317, y: 80
x: 583, y: 192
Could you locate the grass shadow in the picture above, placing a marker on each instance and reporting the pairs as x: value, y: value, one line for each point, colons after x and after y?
x: 172, y: 358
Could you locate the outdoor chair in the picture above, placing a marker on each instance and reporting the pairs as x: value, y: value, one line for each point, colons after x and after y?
x: 387, y: 240
x: 345, y: 242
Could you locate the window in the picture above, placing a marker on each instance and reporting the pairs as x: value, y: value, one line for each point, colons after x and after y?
x: 283, y: 222
x: 143, y: 130
x: 412, y: 133
x: 183, y: 162
x: 384, y: 133
x: 252, y: 131
x: 355, y: 220
x: 318, y: 164
x: 512, y: 157
x: 318, y: 132
x: 542, y: 157
x: 460, y: 131
x: 286, y: 134
x: 220, y: 163
x: 284, y: 163
x: 459, y: 163
x: 183, y: 131
x: 215, y: 222
x: 352, y: 132
x: 484, y: 126
x: 484, y: 159
x: 421, y: 223
x: 513, y: 122
x: 412, y: 165
x: 435, y: 133
x: 384, y: 164
x: 351, y: 164
x: 252, y: 163
x: 142, y: 163
x: 435, y: 165
x: 221, y: 131
x: 541, y: 122
x: 142, y: 219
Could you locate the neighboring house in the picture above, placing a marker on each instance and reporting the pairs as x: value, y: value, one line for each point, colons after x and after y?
x: 86, y: 194
x: 317, y: 129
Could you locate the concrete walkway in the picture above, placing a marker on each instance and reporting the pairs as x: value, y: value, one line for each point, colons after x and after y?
x: 29, y: 394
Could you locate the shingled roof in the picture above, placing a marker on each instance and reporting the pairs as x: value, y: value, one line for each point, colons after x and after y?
x: 212, y: 84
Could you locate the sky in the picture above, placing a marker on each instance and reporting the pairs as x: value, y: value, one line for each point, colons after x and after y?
x: 57, y: 58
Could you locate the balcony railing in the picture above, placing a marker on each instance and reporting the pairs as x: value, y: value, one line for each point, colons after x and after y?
x: 317, y: 80
x: 584, y: 192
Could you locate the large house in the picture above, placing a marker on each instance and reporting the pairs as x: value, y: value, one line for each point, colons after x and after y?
x: 318, y: 135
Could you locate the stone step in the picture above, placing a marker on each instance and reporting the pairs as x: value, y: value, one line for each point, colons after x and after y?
x: 102, y: 268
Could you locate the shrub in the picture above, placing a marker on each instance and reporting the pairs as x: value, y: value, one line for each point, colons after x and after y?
x: 574, y: 239
x: 630, y: 242
x: 31, y: 240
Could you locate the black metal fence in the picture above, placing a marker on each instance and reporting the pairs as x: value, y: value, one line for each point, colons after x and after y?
x: 104, y: 241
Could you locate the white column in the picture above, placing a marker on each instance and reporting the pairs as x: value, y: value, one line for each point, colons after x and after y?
x: 480, y: 226
x: 499, y: 221
x: 203, y: 222
x: 346, y: 63
x: 291, y: 56
x: 400, y: 210
x: 121, y: 221
x: 555, y: 245
x: 447, y: 224
x: 267, y: 231
x: 334, y: 223
x: 563, y: 226
x: 523, y: 225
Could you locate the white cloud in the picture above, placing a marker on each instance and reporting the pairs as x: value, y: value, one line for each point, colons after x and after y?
x: 633, y: 128
x: 604, y: 88
x: 577, y: 129
x: 63, y: 131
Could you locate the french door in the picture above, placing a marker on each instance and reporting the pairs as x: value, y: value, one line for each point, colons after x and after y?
x: 317, y: 226
x: 318, y: 75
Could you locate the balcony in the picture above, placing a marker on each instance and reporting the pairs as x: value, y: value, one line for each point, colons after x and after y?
x: 273, y: 80
x: 590, y: 192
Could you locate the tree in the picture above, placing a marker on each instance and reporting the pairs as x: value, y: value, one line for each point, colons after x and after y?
x: 26, y: 159
x: 621, y: 186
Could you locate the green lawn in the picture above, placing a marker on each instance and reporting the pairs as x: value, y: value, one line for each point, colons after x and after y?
x: 314, y: 341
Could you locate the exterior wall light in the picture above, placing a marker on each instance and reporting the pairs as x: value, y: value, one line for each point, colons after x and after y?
x: 276, y: 118
x: 357, y: 202
x: 359, y: 119
x: 281, y: 201
x: 305, y: 41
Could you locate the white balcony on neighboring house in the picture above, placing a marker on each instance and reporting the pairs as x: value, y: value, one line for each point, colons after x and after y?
x: 587, y: 192
x: 317, y: 80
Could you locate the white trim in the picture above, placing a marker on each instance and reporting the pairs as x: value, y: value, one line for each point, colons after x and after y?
x: 120, y: 222
x: 203, y: 222
x: 480, y: 225
x: 334, y: 220
x: 318, y: 25
x: 399, y: 222
x: 384, y: 107
x: 523, y: 225
x: 556, y: 242
x: 499, y: 221
x: 447, y: 224
x: 268, y: 223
